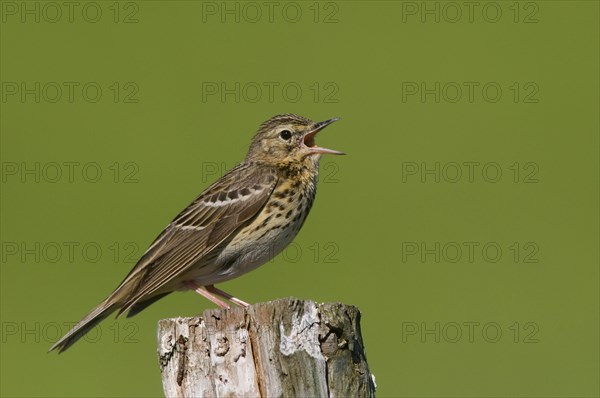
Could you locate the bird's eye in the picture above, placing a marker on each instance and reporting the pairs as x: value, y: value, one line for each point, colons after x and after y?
x: 285, y: 134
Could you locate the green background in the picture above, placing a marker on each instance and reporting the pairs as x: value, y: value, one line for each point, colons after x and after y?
x: 368, y: 212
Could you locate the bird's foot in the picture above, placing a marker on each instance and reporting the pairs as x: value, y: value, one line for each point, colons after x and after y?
x: 201, y: 290
x: 234, y: 300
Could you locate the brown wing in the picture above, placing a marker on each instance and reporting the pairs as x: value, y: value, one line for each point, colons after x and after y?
x: 220, y: 210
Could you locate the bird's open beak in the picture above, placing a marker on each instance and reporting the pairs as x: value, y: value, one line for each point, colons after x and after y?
x: 309, y: 139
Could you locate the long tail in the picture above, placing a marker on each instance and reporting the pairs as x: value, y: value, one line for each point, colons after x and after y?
x: 103, y: 310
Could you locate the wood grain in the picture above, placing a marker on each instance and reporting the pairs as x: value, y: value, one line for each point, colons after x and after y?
x: 283, y: 348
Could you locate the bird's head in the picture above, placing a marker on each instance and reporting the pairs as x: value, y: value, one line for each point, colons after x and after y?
x: 288, y: 140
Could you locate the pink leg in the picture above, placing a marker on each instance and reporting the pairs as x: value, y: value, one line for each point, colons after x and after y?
x: 237, y: 301
x: 203, y: 292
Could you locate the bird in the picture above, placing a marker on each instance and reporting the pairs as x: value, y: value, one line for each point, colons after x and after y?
x: 237, y: 224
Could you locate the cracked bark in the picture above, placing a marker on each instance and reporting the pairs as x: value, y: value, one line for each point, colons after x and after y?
x: 283, y: 348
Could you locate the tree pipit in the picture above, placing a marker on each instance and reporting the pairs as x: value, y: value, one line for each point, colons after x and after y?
x: 237, y: 224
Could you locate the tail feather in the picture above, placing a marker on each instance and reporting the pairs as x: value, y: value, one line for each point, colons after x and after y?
x: 141, y: 305
x: 85, y: 325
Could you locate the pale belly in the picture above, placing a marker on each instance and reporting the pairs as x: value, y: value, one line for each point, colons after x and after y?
x: 242, y: 256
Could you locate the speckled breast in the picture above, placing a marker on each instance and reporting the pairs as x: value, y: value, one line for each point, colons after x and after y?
x: 269, y: 233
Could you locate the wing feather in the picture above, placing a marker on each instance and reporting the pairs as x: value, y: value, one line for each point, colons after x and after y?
x: 211, y: 218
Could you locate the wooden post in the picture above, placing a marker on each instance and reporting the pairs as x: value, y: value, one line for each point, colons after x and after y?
x: 283, y: 348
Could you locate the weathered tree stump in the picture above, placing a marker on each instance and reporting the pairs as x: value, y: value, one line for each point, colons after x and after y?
x: 283, y: 348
